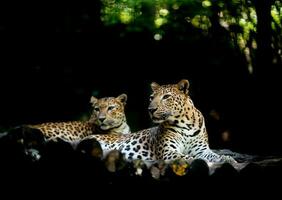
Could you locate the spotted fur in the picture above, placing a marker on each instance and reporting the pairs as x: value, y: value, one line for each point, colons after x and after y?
x: 108, y: 117
x: 180, y: 134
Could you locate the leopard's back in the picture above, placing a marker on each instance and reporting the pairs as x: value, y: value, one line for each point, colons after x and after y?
x: 68, y: 131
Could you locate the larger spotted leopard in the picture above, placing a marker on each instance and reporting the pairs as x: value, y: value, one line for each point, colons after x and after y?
x: 180, y: 134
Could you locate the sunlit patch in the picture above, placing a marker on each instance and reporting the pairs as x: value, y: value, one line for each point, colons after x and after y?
x: 254, y: 44
x: 250, y: 68
x: 196, y: 21
x: 125, y: 16
x: 224, y: 24
x: 158, y: 36
x: 160, y: 21
x: 163, y: 12
x: 249, y: 59
x: 206, y: 3
x: 202, y: 22
x: 242, y: 22
x: 244, y: 15
x: 275, y: 15
x: 253, y: 15
x: 240, y: 41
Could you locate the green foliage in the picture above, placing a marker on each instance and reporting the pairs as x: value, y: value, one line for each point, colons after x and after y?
x: 150, y: 15
x: 276, y: 24
x: 168, y: 17
x: 239, y: 18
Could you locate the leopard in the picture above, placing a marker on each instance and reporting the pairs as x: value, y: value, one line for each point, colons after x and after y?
x: 180, y: 132
x: 108, y: 117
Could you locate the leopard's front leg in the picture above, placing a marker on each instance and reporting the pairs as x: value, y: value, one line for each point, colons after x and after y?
x: 210, y: 156
x: 169, y: 154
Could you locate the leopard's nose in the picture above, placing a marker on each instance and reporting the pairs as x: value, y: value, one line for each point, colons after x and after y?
x: 102, y: 119
x: 152, y: 110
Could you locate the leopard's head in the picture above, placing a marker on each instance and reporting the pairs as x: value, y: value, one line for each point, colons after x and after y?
x: 108, y: 112
x: 169, y: 102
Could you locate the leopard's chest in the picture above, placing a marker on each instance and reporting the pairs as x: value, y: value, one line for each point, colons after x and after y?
x: 139, y: 146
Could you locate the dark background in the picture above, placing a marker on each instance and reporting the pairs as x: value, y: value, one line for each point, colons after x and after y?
x: 53, y: 59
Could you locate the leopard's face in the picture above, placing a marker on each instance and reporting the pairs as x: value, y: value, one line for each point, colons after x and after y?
x: 167, y: 101
x: 108, y: 112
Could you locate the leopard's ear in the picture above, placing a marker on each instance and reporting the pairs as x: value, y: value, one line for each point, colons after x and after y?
x: 183, y: 86
x: 122, y: 98
x: 154, y: 86
x: 93, y: 100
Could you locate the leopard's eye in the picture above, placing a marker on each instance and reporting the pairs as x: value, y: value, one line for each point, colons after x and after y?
x: 97, y: 109
x: 166, y: 96
x: 151, y: 98
x: 111, y: 108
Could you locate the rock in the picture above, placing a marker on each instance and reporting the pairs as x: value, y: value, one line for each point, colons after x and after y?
x: 251, y: 170
x: 57, y: 154
x: 114, y: 161
x: 179, y: 167
x: 158, y: 170
x: 226, y: 170
x: 198, y: 168
x: 140, y: 167
x: 90, y: 147
x: 271, y: 167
